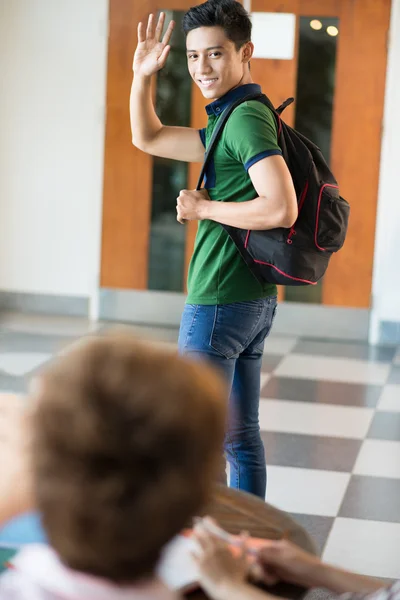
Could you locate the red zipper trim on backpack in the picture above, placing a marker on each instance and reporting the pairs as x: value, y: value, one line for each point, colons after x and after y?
x: 280, y: 125
x: 260, y: 262
x: 318, y: 209
x: 292, y: 232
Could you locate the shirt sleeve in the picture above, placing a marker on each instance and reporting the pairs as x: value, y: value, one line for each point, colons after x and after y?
x: 202, y: 133
x: 251, y: 134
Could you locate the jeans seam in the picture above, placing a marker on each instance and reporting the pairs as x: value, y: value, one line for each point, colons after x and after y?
x: 212, y: 334
x: 274, y: 308
x: 248, y: 339
x: 213, y: 327
x: 190, y: 329
x: 251, y: 334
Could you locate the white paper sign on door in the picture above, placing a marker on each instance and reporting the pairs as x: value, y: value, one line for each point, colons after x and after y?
x: 274, y: 35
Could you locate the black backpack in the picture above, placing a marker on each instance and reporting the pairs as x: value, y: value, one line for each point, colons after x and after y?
x: 299, y: 255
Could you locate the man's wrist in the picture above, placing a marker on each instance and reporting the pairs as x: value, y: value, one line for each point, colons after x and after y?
x: 141, y: 80
x: 205, y: 209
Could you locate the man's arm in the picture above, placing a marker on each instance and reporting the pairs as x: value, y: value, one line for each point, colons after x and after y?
x: 151, y: 136
x: 275, y: 206
x: 148, y: 133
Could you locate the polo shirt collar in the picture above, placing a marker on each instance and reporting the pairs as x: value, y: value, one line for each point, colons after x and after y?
x: 218, y: 106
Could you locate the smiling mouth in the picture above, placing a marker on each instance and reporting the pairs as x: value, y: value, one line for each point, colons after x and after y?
x: 207, y: 82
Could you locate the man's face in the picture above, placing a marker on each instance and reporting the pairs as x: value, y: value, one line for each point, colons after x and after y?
x: 214, y: 63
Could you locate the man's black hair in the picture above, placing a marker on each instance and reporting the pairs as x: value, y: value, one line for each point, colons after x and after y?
x: 228, y: 14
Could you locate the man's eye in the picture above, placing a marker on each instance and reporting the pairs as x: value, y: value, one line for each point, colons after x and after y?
x: 215, y: 53
x: 192, y: 56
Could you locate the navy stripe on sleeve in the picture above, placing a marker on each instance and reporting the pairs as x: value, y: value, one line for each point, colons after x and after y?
x: 260, y: 156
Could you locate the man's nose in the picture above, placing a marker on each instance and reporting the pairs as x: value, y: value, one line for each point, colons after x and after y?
x: 204, y: 67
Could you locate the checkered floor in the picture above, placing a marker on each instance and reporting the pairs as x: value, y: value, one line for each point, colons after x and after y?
x: 330, y: 417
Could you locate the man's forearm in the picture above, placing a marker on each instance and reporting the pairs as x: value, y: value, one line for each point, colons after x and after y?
x: 144, y: 121
x: 258, y: 214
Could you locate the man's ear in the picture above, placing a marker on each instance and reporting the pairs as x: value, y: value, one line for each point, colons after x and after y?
x: 247, y: 52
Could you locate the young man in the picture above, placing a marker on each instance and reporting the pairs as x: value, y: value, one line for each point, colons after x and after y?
x: 228, y: 313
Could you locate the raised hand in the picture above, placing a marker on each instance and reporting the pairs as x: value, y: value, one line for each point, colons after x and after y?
x: 152, y: 51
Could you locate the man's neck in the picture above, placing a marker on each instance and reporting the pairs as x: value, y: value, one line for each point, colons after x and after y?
x: 247, y: 78
x: 244, y: 81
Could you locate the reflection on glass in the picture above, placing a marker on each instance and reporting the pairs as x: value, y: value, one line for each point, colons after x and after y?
x: 314, y: 103
x: 173, y: 106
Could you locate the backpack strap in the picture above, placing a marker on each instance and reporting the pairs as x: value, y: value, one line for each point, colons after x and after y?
x: 284, y: 105
x: 223, y: 120
x: 218, y: 131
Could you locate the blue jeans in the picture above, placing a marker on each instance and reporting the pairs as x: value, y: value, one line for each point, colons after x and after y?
x: 231, y: 337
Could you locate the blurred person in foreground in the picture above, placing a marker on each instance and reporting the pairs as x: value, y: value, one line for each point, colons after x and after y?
x: 117, y: 448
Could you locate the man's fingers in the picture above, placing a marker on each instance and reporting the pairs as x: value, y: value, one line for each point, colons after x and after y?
x: 163, y: 57
x: 150, y: 27
x: 168, y: 33
x: 141, y: 33
x: 160, y: 27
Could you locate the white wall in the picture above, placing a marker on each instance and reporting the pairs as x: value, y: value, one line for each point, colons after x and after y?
x: 386, y: 283
x: 52, y: 117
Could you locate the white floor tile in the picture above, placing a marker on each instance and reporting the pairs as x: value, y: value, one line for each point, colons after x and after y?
x: 367, y: 547
x: 306, y: 491
x: 20, y: 363
x: 51, y: 325
x: 265, y: 377
x: 315, y: 419
x: 279, y: 345
x: 333, y: 369
x: 379, y: 458
x: 390, y: 399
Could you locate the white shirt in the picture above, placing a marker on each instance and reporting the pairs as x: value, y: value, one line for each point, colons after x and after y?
x: 36, y: 573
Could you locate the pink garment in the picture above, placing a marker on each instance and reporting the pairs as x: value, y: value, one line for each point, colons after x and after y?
x: 37, y: 573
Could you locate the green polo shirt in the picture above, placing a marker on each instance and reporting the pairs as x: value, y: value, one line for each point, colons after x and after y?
x: 217, y: 272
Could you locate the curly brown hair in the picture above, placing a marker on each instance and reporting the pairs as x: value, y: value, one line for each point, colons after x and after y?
x: 126, y: 445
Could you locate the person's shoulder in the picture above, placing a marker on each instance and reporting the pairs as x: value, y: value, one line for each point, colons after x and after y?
x: 253, y: 107
x: 251, y: 116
